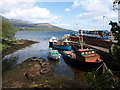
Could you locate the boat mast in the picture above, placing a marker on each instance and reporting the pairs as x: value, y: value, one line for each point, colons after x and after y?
x: 80, y: 35
x: 103, y: 22
x: 81, y: 38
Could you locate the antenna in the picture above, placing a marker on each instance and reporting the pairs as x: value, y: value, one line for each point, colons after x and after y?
x: 103, y: 22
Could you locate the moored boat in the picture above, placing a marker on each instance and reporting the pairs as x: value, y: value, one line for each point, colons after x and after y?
x: 59, y: 44
x: 62, y: 47
x: 53, y: 40
x: 85, y: 59
x: 54, y: 55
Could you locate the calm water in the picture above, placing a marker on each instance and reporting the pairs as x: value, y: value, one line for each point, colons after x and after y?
x: 40, y: 49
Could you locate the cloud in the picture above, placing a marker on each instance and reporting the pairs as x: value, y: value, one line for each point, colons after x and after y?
x: 26, y: 10
x: 84, y: 14
x: 93, y: 12
x: 63, y: 24
x: 67, y: 9
x: 76, y: 4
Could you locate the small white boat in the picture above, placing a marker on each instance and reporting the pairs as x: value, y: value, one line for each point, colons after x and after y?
x: 53, y: 40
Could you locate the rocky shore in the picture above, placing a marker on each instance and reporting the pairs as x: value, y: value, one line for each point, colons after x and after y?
x: 17, y: 46
x: 37, y: 73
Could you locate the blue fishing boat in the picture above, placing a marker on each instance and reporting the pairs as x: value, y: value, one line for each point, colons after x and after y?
x: 59, y: 44
x: 62, y: 47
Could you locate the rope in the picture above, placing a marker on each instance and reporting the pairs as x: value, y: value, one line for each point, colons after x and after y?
x: 99, y: 67
x: 104, y: 67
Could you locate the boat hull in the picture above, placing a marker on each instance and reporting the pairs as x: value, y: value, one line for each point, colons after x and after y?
x: 86, y: 66
x: 94, y: 41
x: 54, y: 58
x: 50, y: 44
x: 62, y: 47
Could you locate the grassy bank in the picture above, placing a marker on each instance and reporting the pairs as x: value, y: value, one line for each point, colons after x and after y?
x: 19, y: 44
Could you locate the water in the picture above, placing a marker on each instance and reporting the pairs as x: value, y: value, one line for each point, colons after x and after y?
x: 40, y: 49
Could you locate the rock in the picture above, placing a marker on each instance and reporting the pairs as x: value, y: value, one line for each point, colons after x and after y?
x: 44, y: 64
x: 44, y: 71
x: 27, y: 75
x: 31, y: 75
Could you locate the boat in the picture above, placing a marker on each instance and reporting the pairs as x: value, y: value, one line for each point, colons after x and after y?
x: 86, y: 59
x: 59, y: 44
x: 54, y: 55
x: 62, y: 45
x: 52, y: 40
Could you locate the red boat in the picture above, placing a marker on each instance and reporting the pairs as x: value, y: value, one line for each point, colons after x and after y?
x: 86, y: 59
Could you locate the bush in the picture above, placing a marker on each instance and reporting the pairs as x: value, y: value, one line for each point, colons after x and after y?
x: 115, y: 50
x: 100, y: 81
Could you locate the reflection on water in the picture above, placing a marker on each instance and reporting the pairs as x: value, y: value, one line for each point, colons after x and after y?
x: 40, y: 49
x: 54, y: 62
x: 9, y: 63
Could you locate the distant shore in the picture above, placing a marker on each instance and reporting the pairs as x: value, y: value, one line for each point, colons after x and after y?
x: 17, y: 46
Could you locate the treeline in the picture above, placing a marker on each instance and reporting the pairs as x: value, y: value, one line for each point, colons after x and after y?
x: 7, y: 33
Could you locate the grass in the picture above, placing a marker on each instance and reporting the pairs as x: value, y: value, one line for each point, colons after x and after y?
x: 3, y: 46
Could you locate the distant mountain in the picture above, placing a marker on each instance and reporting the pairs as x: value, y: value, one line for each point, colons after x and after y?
x: 20, y: 23
x: 35, y: 26
x: 29, y: 26
x: 2, y: 17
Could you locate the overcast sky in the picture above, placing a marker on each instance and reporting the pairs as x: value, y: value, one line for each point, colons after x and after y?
x: 76, y: 14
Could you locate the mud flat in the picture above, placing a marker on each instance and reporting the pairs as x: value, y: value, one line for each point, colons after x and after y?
x: 37, y: 73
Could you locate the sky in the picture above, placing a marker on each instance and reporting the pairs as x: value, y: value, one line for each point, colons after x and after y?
x: 68, y: 14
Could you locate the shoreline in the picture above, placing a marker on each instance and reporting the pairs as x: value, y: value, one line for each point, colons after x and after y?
x: 21, y: 43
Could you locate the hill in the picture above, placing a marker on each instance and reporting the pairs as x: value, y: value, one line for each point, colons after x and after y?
x: 29, y: 26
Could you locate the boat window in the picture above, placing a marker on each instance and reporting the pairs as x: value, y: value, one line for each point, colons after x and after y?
x: 89, y: 52
x: 82, y: 53
x: 93, y: 51
x: 52, y: 53
x: 86, y: 52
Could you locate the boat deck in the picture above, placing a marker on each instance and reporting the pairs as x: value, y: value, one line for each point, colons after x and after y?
x: 98, y: 48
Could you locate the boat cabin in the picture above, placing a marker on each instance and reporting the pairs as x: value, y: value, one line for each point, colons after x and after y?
x: 88, y: 55
x: 85, y: 51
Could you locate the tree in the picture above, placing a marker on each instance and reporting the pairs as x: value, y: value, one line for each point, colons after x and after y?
x: 115, y: 30
x: 115, y: 49
x: 7, y: 35
x: 8, y: 30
